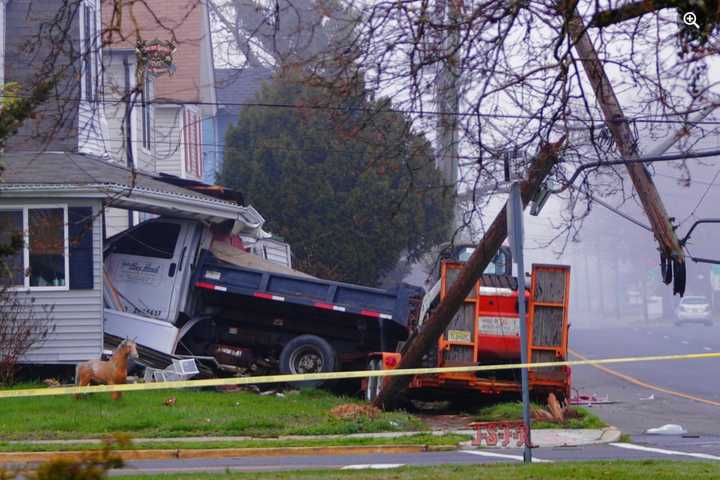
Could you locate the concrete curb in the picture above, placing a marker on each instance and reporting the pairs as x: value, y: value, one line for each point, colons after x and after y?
x: 554, y: 438
x: 185, y: 453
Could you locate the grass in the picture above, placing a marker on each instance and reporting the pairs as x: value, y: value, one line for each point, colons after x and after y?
x: 513, y: 411
x: 195, y: 413
x: 419, y: 439
x: 616, y: 470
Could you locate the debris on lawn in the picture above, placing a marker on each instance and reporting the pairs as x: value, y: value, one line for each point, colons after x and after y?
x: 170, y: 402
x: 52, y: 382
x: 589, y: 400
x: 354, y: 411
x: 556, y: 412
x: 183, y: 369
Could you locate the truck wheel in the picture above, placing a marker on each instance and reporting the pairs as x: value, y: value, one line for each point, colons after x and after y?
x: 374, y: 384
x: 307, y: 354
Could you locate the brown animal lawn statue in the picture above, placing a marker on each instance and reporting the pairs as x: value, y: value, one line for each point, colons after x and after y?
x: 110, y: 372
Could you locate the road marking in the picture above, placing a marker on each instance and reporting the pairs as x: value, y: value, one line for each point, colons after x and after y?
x: 640, y: 383
x: 685, y: 342
x: 632, y: 446
x: 504, y: 455
x: 373, y: 466
x: 707, y: 349
x: 666, y: 337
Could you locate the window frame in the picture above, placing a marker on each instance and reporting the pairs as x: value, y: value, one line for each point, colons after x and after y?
x: 26, y: 245
x: 193, y: 143
x: 89, y: 46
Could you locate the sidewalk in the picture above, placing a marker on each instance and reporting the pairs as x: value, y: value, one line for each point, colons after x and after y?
x: 542, y: 437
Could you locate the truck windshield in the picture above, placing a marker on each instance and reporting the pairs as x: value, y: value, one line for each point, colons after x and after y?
x: 496, y: 267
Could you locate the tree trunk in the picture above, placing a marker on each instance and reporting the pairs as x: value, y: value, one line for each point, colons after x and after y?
x: 441, y: 317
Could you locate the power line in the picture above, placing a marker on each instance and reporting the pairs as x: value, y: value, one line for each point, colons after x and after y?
x: 702, y: 197
x: 503, y: 116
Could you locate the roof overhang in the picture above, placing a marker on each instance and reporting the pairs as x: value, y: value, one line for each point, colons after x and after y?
x: 135, y: 198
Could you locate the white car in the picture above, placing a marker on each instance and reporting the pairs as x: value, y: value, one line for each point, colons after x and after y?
x: 693, y: 309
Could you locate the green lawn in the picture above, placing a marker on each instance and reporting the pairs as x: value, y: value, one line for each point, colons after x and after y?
x: 641, y: 470
x: 419, y: 439
x: 195, y: 413
x: 513, y: 411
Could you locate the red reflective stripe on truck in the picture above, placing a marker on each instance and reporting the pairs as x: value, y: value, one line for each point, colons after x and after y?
x: 210, y: 286
x: 329, y: 306
x: 370, y: 313
x: 268, y: 296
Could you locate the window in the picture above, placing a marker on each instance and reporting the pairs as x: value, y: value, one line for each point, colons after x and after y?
x: 89, y: 53
x: 46, y: 236
x: 43, y: 262
x: 11, y: 229
x: 145, y: 97
x: 156, y: 239
x: 193, y: 143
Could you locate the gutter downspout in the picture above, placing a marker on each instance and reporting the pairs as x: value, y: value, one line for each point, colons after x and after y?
x: 128, y: 127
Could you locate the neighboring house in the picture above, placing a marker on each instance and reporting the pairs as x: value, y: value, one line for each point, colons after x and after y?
x: 235, y: 86
x: 182, y: 105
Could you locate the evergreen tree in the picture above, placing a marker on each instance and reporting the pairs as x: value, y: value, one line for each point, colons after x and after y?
x: 348, y: 184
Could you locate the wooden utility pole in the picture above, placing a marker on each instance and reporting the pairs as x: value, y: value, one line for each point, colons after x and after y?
x: 441, y: 317
x: 626, y: 143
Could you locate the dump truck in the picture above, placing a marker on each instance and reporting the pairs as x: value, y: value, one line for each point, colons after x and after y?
x: 186, y: 289
x: 486, y: 331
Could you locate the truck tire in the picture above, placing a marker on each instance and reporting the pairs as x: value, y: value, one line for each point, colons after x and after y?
x: 307, y: 354
x: 374, y: 384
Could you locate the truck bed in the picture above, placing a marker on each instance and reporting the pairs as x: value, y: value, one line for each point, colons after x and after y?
x: 219, y: 276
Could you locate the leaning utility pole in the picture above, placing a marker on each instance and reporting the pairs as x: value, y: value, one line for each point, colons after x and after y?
x: 626, y: 143
x: 441, y: 317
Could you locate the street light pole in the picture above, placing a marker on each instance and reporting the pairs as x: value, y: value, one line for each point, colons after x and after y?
x: 516, y: 237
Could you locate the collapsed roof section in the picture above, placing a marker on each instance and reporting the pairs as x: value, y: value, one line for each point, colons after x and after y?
x: 64, y: 174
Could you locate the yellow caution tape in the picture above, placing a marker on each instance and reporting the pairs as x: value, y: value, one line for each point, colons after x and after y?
x: 215, y: 382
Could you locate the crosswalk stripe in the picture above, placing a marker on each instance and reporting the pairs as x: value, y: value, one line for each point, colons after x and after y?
x: 632, y: 446
x: 504, y: 455
x: 373, y: 466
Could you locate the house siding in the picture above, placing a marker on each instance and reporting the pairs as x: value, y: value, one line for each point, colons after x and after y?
x: 55, y: 123
x: 93, y: 128
x: 169, y: 140
x: 77, y: 315
x: 114, y: 92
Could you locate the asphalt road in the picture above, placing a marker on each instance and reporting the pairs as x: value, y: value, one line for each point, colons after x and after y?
x: 640, y: 407
x: 673, y: 448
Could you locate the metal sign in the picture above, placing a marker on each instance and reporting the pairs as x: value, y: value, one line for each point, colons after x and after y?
x: 155, y: 56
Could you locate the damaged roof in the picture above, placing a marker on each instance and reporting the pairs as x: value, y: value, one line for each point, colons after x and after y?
x: 64, y: 173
